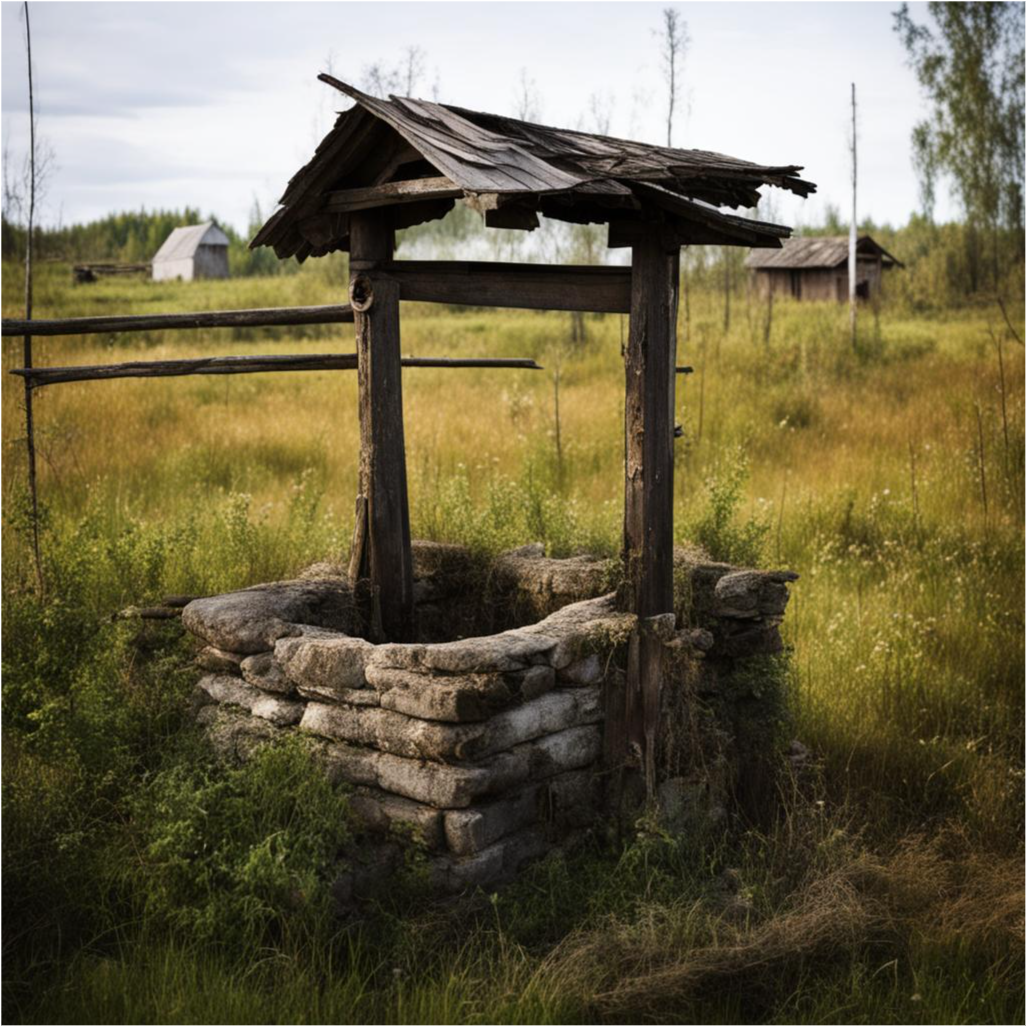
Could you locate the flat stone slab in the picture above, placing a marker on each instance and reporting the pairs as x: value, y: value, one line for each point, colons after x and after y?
x: 324, y: 660
x: 580, y: 628
x: 544, y: 585
x: 565, y: 800
x: 232, y: 691
x: 233, y: 733
x: 262, y: 671
x: 216, y: 660
x: 495, y: 864
x: 496, y: 653
x: 463, y: 698
x: 382, y: 812
x: 253, y: 619
x: 389, y: 731
x: 557, y: 640
x: 452, y: 787
x: 752, y: 593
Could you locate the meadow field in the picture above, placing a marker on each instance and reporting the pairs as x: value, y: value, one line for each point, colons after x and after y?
x: 883, y: 883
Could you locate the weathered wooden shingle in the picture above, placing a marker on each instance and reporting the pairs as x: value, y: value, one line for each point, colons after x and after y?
x: 511, y: 170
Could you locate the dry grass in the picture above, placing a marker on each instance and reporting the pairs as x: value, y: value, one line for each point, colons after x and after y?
x: 666, y: 958
x: 894, y: 873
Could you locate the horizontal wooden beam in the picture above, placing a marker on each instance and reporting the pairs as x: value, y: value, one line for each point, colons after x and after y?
x: 39, y: 376
x: 690, y: 223
x: 259, y: 318
x: 526, y: 286
x: 344, y: 201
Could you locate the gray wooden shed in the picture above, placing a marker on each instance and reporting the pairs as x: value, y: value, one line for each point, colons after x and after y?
x: 816, y: 267
x: 195, y: 251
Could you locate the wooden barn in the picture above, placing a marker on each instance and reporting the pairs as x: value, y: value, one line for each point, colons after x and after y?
x: 196, y: 251
x: 816, y: 267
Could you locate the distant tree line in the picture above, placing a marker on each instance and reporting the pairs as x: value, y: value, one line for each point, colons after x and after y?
x: 134, y: 237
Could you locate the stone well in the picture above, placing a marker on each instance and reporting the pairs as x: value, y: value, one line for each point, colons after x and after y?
x: 488, y: 746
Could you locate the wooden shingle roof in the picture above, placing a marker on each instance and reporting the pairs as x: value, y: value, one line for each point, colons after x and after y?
x: 182, y: 243
x: 818, y: 251
x: 511, y: 171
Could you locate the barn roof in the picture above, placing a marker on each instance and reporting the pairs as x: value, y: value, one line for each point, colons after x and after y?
x: 182, y: 243
x: 818, y: 251
x: 512, y: 170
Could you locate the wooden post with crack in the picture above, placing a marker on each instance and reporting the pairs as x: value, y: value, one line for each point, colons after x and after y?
x: 649, y: 359
x: 385, y: 555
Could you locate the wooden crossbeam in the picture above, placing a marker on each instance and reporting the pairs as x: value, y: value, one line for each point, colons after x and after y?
x: 586, y: 288
x: 345, y: 201
x: 259, y: 318
x: 37, y: 377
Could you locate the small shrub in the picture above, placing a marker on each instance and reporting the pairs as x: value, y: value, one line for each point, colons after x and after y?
x: 242, y: 855
x: 717, y: 528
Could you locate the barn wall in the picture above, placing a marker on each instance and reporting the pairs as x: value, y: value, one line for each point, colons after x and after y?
x: 805, y: 284
x: 211, y: 262
x: 169, y: 270
x: 820, y: 284
x: 772, y: 280
x: 873, y: 271
x: 817, y: 284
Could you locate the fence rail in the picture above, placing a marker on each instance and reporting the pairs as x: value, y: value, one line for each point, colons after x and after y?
x: 37, y: 377
x: 275, y: 316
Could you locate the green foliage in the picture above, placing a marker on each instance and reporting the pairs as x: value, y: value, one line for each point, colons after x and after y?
x: 134, y: 237
x: 88, y: 707
x: 242, y: 856
x: 717, y: 528
x: 970, y: 64
x: 506, y: 511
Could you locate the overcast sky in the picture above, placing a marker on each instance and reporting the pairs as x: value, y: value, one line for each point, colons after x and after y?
x: 217, y: 104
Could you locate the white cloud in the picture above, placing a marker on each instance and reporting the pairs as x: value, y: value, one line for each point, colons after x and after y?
x: 213, y: 104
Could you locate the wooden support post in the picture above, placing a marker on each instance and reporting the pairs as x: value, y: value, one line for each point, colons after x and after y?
x: 648, y: 500
x: 375, y: 300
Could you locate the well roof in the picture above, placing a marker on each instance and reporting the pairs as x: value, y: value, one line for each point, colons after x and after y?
x: 502, y: 162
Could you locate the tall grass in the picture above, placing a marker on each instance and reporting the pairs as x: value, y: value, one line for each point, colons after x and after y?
x: 882, y: 885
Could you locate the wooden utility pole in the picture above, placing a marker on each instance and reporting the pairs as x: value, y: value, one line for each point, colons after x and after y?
x: 853, y: 230
x: 387, y: 559
x: 30, y: 437
x: 648, y: 501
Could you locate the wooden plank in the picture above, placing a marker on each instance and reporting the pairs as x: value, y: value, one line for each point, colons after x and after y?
x: 258, y: 318
x: 648, y: 485
x: 36, y: 377
x: 588, y: 288
x: 367, y: 197
x: 700, y: 224
x: 375, y: 300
